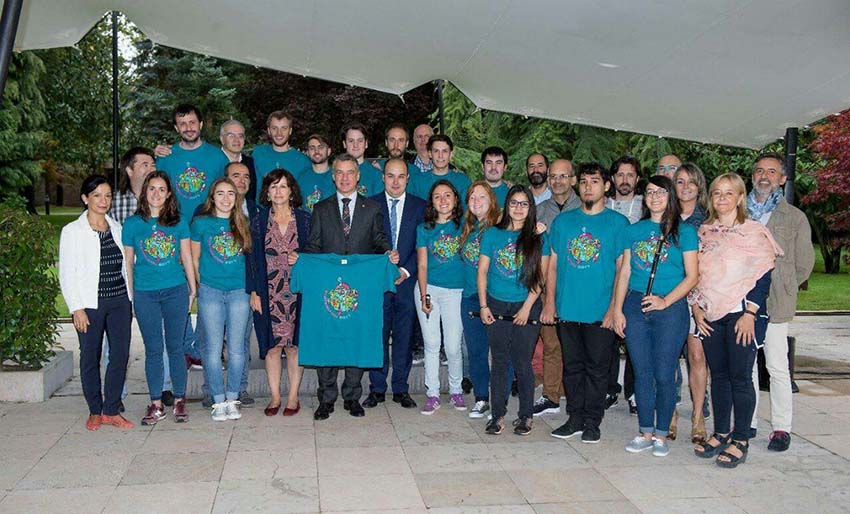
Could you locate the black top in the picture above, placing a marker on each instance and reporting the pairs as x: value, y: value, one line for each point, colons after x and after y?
x: 111, y: 284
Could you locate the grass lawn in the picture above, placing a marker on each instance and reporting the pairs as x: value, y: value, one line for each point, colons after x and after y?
x: 826, y: 292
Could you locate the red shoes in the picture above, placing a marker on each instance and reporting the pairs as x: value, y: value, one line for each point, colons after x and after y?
x: 291, y: 412
x: 117, y: 421
x: 93, y: 423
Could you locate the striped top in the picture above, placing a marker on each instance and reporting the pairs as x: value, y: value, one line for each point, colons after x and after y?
x: 111, y: 284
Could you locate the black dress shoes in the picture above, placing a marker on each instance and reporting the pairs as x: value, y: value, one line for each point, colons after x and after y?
x: 404, y: 400
x: 374, y: 399
x: 323, y: 411
x: 354, y: 408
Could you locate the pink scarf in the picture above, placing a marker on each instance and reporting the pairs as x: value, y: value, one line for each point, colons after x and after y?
x: 731, y: 260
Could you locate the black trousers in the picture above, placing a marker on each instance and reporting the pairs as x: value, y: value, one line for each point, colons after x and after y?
x: 614, y: 373
x: 113, y: 316
x: 586, y: 349
x: 328, y: 391
x: 514, y: 344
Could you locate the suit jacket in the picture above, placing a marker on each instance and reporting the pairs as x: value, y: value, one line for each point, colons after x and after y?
x: 367, y: 229
x: 412, y: 215
x: 258, y: 273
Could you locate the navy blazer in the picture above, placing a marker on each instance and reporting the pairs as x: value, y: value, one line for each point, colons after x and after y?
x: 412, y: 215
x: 259, y: 277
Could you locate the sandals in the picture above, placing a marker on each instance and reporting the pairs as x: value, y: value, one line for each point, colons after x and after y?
x: 674, y: 429
x: 709, y: 451
x: 698, y: 433
x: 734, y: 460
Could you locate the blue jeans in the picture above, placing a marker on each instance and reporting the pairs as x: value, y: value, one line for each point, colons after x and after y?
x: 243, y: 383
x: 654, y: 340
x: 218, y: 309
x: 155, y: 310
x: 199, y: 348
x: 476, y: 342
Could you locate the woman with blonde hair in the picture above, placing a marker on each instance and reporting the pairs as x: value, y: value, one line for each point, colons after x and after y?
x: 736, y: 257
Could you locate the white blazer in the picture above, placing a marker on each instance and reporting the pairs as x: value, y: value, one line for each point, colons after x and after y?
x: 79, y: 262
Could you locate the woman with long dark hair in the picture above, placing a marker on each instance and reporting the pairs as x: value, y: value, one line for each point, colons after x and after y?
x: 511, y: 270
x: 93, y: 278
x: 658, y: 269
x: 279, y: 229
x: 440, y: 278
x: 482, y: 213
x: 220, y: 240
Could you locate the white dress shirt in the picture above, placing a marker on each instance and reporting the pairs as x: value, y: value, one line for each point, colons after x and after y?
x: 353, y: 197
x: 398, y: 209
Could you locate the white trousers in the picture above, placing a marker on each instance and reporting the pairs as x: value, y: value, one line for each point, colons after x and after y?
x: 776, y: 361
x: 445, y: 304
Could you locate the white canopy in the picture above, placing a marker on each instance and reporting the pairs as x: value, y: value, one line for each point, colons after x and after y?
x: 735, y: 72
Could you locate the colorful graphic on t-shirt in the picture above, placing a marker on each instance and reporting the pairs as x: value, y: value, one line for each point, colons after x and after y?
x: 223, y: 247
x: 644, y: 252
x: 472, y: 250
x: 341, y: 301
x: 313, y: 198
x: 583, y: 250
x: 158, y: 248
x: 508, y: 261
x: 445, y: 247
x: 361, y: 189
x: 191, y: 183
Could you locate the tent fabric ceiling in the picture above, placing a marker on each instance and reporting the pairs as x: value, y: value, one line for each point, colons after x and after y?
x: 733, y: 72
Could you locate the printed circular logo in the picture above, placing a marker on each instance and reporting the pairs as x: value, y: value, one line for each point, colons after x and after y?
x: 361, y: 189
x: 191, y: 183
x: 223, y: 247
x: 644, y: 252
x: 313, y: 198
x: 341, y: 301
x: 508, y: 261
x: 583, y: 250
x: 445, y: 247
x: 472, y: 250
x: 159, y: 248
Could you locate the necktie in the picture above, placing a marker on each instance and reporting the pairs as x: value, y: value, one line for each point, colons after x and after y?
x: 346, y: 216
x: 394, y: 221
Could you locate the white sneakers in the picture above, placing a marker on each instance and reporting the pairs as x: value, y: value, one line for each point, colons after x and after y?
x: 226, y: 410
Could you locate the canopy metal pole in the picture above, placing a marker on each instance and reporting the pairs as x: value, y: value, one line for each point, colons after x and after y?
x: 790, y: 163
x: 440, y: 115
x: 8, y: 30
x: 115, y: 120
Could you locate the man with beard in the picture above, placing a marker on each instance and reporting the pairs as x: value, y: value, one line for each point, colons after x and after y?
x: 355, y: 143
x: 537, y: 169
x: 494, y: 161
x: 193, y: 164
x: 789, y: 226
x: 625, y: 172
x: 579, y: 291
x: 668, y: 165
x: 421, y: 135
x: 396, y: 141
x: 316, y: 182
x: 279, y: 153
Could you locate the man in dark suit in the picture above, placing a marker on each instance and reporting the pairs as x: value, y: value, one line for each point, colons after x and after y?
x: 402, y: 213
x: 345, y: 223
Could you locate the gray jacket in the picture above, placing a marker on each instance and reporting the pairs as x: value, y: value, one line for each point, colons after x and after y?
x: 548, y: 209
x: 791, y: 230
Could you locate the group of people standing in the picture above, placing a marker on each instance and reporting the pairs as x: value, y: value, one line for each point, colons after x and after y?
x: 484, y: 270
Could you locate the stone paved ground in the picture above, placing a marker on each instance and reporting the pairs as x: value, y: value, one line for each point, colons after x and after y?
x: 399, y: 461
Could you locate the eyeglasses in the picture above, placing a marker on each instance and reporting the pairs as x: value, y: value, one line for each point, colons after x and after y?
x: 656, y: 192
x: 514, y: 204
x: 668, y: 167
x: 232, y: 135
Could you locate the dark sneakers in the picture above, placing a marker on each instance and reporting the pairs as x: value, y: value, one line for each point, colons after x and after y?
x: 779, y: 441
x: 168, y: 398
x: 544, y: 405
x: 522, y: 426
x: 374, y: 399
x: 610, y: 401
x: 591, y: 435
x: 495, y: 426
x: 569, y: 429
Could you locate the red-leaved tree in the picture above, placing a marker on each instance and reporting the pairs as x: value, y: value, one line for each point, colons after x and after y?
x: 829, y: 202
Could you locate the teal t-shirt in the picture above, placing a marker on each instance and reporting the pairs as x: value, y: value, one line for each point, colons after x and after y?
x: 371, y: 182
x: 443, y: 243
x: 641, y: 239
x: 157, y: 252
x: 342, y: 308
x: 222, y: 263
x: 587, y: 251
x: 315, y: 187
x: 192, y: 172
x: 421, y: 183
x: 501, y: 193
x: 469, y: 255
x: 503, y: 275
x: 267, y: 159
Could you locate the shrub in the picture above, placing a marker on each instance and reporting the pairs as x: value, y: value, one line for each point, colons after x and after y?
x: 29, y: 288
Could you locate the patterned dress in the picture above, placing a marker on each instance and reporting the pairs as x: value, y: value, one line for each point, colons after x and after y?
x: 282, y: 308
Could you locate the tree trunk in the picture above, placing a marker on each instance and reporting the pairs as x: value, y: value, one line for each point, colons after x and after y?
x: 831, y: 255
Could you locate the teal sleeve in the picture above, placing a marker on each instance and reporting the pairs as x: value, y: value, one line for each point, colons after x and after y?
x: 182, y: 230
x: 421, y: 240
x: 546, y: 248
x: 197, y: 230
x: 390, y: 274
x: 295, y: 278
x: 127, y: 233
x: 487, y: 243
x: 688, y: 240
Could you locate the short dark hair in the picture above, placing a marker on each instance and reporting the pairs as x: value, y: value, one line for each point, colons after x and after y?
x: 128, y: 160
x: 91, y: 183
x: 626, y: 159
x: 545, y: 159
x: 275, y: 176
x: 771, y: 155
x: 354, y: 126
x: 593, y: 168
x: 320, y: 138
x: 231, y: 164
x: 396, y: 125
x: 440, y: 138
x: 495, y: 150
x: 278, y: 115
x: 185, y: 110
